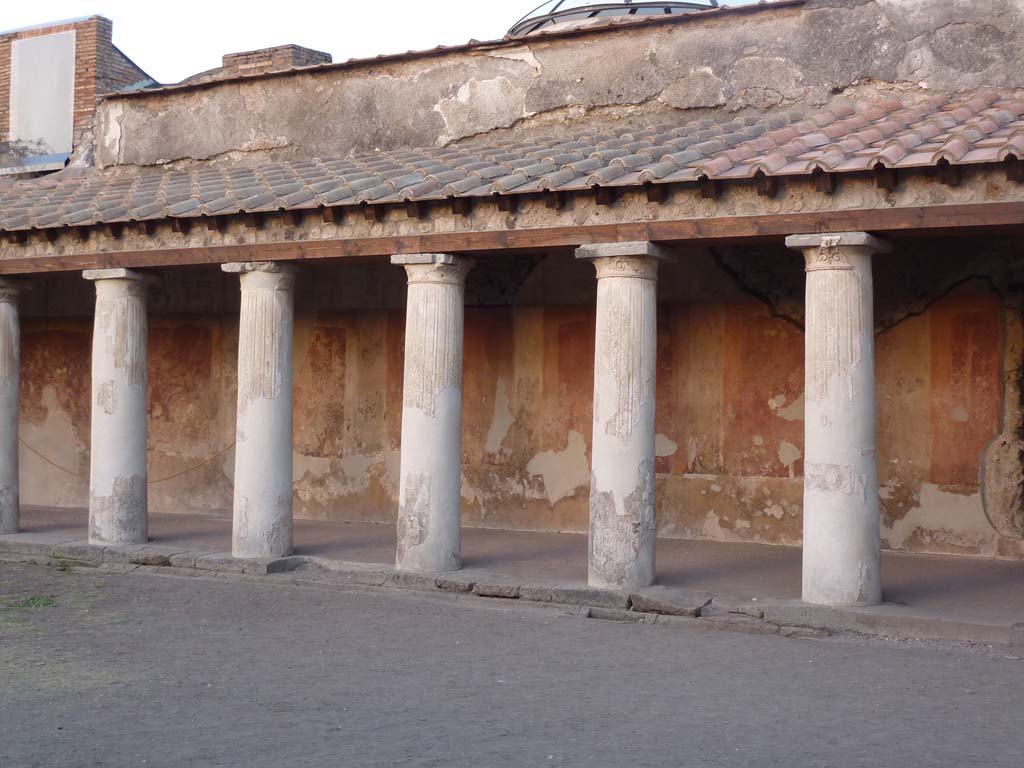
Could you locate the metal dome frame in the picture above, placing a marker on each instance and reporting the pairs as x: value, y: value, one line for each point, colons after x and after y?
x: 556, y: 12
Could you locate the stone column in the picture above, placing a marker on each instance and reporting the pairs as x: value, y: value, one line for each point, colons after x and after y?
x: 622, y: 515
x: 841, y: 560
x: 429, y: 509
x: 10, y: 369
x: 117, y: 476
x: 263, y: 451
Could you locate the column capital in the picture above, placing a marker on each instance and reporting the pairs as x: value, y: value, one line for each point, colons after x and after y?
x: 242, y: 267
x: 263, y: 275
x: 434, y: 267
x: 117, y: 273
x: 634, y: 259
x: 10, y: 289
x: 827, y: 250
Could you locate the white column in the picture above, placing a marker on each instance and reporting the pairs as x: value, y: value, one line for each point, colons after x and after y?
x: 117, y: 477
x: 429, y: 509
x: 10, y: 369
x: 262, y: 524
x: 841, y: 559
x: 622, y: 514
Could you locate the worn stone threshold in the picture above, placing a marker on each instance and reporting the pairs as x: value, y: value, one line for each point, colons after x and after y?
x: 653, y: 605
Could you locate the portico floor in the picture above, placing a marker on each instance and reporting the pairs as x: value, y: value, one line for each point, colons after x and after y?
x: 960, y: 589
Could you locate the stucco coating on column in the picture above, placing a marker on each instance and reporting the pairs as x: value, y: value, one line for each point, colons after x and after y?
x: 262, y: 509
x: 429, y: 511
x: 623, y: 527
x: 117, y: 476
x: 10, y: 367
x: 841, y: 538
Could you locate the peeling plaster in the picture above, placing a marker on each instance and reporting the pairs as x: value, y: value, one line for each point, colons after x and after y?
x: 498, y: 102
x: 524, y: 55
x: 356, y: 466
x: 663, y: 446
x: 54, y: 437
x: 712, y: 529
x: 776, y: 57
x: 789, y: 455
x: 944, y: 520
x: 502, y: 421
x: 563, y: 472
x: 792, y: 412
x: 700, y: 88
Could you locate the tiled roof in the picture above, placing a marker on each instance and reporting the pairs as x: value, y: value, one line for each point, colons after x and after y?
x: 840, y: 139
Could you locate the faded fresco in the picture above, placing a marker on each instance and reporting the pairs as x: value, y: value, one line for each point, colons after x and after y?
x: 729, y: 398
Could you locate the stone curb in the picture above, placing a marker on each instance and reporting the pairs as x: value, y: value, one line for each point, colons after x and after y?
x: 884, y: 621
x: 652, y: 605
x: 1017, y: 635
x: 670, y: 601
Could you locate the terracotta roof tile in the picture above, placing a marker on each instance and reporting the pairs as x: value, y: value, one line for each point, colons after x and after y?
x: 985, y: 128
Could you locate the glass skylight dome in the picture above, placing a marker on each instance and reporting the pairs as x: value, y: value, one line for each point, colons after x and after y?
x: 556, y: 13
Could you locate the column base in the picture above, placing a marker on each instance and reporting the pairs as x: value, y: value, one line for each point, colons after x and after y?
x: 412, y: 563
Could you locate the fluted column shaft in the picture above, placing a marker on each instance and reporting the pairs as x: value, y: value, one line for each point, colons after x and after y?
x: 841, y: 546
x: 622, y: 507
x: 10, y: 369
x: 262, y: 509
x: 117, y: 474
x: 429, y: 511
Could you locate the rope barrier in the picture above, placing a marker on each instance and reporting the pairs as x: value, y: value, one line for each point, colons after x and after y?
x: 62, y: 468
x: 49, y: 461
x: 200, y: 465
x: 300, y: 369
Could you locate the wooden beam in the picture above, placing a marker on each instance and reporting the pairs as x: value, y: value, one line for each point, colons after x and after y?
x: 948, y: 173
x: 935, y: 220
x: 710, y: 189
x: 767, y: 186
x: 554, y: 199
x: 334, y: 214
x: 374, y: 213
x: 461, y: 206
x: 605, y: 195
x: 1014, y: 169
x: 824, y: 182
x: 415, y: 209
x: 508, y: 203
x: 656, y: 193
x: 181, y: 226
x: 885, y: 178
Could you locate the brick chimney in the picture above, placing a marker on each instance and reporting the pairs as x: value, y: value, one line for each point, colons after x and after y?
x: 50, y: 78
x: 271, y: 60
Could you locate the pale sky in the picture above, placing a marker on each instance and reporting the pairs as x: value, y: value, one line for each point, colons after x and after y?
x: 175, y: 39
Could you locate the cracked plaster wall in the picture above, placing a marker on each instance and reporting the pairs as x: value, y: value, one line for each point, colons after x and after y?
x: 730, y: 394
x: 774, y: 58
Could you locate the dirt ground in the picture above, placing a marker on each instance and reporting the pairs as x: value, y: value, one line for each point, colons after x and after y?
x: 137, y: 669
